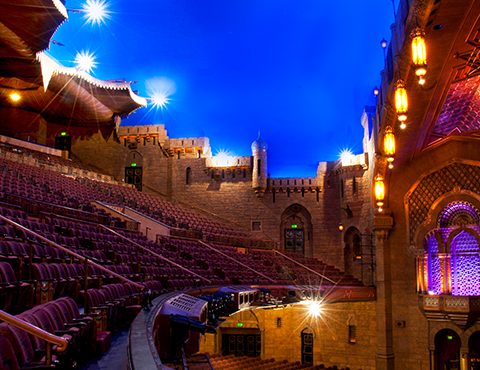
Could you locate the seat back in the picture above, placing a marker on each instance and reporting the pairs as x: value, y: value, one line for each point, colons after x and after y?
x: 7, y: 272
x: 8, y: 361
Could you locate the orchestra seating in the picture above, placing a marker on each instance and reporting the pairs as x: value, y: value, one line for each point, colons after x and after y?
x: 231, y: 362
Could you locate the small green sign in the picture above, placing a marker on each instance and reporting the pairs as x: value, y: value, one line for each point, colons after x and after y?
x: 239, y: 324
x: 63, y: 134
x: 294, y: 226
x: 134, y: 165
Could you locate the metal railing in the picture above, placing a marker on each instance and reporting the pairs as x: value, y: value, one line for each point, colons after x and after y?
x: 235, y: 260
x: 73, y: 254
x: 155, y: 254
x: 305, y: 267
x: 60, y: 342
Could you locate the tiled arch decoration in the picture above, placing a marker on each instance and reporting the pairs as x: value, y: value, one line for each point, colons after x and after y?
x: 433, y: 186
x: 458, y: 213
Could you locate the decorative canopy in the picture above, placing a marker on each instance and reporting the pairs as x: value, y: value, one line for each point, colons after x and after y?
x: 59, y: 94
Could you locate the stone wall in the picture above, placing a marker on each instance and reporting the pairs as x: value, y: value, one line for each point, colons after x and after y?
x: 228, y: 193
x: 332, y: 345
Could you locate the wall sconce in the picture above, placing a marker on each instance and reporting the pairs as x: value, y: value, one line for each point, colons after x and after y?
x: 340, y: 227
x: 389, y: 144
x: 375, y: 91
x: 379, y: 191
x: 401, y: 100
x: 419, y: 52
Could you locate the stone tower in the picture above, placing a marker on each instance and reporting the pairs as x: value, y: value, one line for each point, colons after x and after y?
x: 259, y: 178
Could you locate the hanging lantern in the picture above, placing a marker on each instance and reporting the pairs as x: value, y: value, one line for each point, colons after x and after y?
x: 379, y: 190
x: 401, y: 101
x: 419, y: 52
x: 376, y: 91
x: 389, y: 143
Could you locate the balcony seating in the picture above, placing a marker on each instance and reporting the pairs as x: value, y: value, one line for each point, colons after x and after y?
x: 17, y: 296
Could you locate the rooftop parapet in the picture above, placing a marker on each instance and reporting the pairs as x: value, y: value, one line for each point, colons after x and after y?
x: 146, y: 130
x: 189, y: 142
x: 294, y: 182
x: 228, y: 162
x: 356, y: 160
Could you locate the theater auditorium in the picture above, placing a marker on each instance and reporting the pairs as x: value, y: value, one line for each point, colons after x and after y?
x: 123, y: 247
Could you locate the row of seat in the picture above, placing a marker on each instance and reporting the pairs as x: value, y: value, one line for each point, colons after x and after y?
x: 61, y: 318
x: 231, y: 362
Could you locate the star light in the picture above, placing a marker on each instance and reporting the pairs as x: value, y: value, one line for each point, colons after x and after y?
x: 15, y: 97
x: 160, y: 99
x: 85, y: 61
x: 314, y: 308
x: 96, y: 11
x: 346, y: 156
x: 222, y: 158
x: 159, y: 89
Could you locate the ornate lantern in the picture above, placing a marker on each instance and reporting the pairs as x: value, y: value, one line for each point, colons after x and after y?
x: 419, y: 52
x: 389, y: 144
x: 379, y: 190
x: 401, y: 101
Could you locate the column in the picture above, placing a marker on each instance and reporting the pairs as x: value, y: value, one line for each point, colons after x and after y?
x: 384, y: 353
x: 433, y: 358
x: 464, y: 359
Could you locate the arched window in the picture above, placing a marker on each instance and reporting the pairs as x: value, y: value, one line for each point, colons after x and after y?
x: 465, y: 265
x: 451, y: 262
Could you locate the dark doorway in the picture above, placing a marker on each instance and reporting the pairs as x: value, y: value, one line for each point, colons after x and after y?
x: 296, y: 230
x: 447, y: 348
x: 242, y: 345
x: 474, y: 349
x: 295, y: 240
x: 133, y: 175
x: 307, y: 348
x: 64, y: 143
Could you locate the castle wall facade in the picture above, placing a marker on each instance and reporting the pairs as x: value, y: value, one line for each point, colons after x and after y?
x: 178, y: 171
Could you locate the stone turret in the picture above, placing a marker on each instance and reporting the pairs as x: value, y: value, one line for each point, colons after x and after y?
x: 259, y: 179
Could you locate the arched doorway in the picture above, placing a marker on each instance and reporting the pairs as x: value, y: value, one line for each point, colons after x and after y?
x: 352, y: 252
x: 307, y: 345
x: 447, y: 349
x: 296, y: 230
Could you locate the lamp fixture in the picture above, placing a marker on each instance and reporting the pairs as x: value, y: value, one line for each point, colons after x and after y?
x: 401, y: 100
x: 379, y: 191
x: 376, y: 91
x: 389, y: 144
x: 419, y: 52
x: 15, y: 97
x: 384, y: 44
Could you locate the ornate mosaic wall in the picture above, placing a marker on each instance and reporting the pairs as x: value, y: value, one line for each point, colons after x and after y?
x: 458, y: 213
x: 465, y: 265
x: 436, y: 184
x: 434, y: 262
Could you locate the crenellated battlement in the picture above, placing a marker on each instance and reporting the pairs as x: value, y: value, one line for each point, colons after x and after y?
x: 228, y: 162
